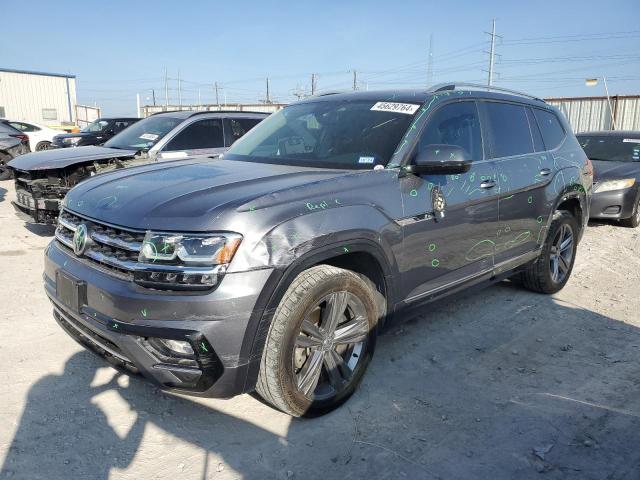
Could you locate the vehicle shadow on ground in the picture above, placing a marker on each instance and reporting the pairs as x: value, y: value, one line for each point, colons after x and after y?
x: 3, y: 193
x: 40, y: 229
x: 501, y: 384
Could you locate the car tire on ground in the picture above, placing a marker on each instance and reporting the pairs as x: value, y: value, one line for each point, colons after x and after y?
x: 5, y: 173
x: 43, y: 146
x: 552, y: 269
x: 320, y: 341
x: 634, y: 220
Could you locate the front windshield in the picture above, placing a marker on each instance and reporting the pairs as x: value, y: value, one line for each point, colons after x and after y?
x: 611, y: 148
x: 144, y: 134
x: 96, y: 126
x: 330, y: 134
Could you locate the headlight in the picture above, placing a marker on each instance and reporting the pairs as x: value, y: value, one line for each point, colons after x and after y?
x: 185, y: 261
x: 72, y: 140
x: 609, y: 185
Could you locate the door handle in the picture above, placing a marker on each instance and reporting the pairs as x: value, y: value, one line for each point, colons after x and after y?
x: 545, y: 171
x: 488, y: 184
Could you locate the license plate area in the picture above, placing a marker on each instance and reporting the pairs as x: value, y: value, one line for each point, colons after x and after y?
x: 71, y: 292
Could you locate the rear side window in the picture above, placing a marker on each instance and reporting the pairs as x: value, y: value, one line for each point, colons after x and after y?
x: 201, y: 134
x: 240, y: 126
x: 508, y: 129
x: 551, y: 128
x: 455, y: 124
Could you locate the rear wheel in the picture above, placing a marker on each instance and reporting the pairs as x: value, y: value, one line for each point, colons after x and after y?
x: 320, y: 341
x: 552, y: 269
x: 43, y: 146
x: 634, y: 220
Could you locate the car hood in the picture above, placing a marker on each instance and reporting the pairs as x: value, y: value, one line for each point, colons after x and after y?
x: 188, y: 195
x: 606, y: 170
x: 64, y: 157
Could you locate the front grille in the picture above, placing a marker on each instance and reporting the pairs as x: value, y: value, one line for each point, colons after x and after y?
x: 114, y: 250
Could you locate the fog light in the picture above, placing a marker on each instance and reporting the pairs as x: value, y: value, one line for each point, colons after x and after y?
x: 180, y: 347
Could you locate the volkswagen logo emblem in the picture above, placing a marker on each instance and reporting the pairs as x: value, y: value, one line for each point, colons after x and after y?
x: 80, y: 239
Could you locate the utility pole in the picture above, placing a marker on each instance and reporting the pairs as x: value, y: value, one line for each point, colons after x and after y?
x: 166, y: 89
x: 138, y: 105
x: 268, y: 97
x: 492, y: 53
x: 313, y: 84
x: 179, y: 91
x: 199, y: 99
x: 153, y: 94
x: 355, y: 80
x: 215, y: 87
x: 430, y: 62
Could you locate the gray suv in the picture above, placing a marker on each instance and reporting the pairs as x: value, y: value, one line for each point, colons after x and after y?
x: 274, y: 268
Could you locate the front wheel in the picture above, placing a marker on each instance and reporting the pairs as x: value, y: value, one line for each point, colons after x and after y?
x: 552, y: 269
x: 5, y: 172
x: 320, y: 342
x: 634, y: 220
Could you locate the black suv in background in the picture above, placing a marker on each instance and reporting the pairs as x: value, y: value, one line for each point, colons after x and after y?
x: 43, y: 178
x: 273, y: 268
x: 96, y: 133
x: 616, y: 175
x: 12, y: 143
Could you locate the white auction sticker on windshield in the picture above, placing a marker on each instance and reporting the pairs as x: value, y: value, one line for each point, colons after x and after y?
x: 631, y: 140
x: 408, y: 108
x: 149, y: 136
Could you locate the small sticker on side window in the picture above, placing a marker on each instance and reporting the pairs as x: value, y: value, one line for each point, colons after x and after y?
x: 407, y: 108
x: 149, y: 136
x: 367, y: 160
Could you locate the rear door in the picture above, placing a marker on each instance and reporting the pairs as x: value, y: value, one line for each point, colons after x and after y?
x: 444, y: 251
x: 524, y: 170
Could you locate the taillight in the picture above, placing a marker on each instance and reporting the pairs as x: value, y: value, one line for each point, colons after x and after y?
x: 23, y: 138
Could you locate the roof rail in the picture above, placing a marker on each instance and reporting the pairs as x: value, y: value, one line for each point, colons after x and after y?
x: 441, y: 87
x: 202, y: 112
x: 330, y: 92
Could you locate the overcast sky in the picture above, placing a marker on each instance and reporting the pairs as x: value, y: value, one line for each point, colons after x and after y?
x: 120, y: 48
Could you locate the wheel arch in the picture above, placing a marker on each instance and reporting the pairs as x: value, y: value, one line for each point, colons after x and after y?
x: 364, y: 257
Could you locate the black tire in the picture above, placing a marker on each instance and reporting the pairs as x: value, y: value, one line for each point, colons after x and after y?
x: 284, y: 361
x: 5, y: 173
x: 634, y: 220
x: 539, y: 275
x: 42, y: 146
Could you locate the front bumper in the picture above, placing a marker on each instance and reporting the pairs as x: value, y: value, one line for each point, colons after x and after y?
x: 115, y: 317
x: 615, y: 204
x: 36, y: 210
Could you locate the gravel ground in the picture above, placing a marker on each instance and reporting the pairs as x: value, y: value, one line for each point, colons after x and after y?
x: 500, y: 384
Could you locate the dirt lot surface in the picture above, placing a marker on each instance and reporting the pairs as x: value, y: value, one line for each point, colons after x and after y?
x: 502, y: 384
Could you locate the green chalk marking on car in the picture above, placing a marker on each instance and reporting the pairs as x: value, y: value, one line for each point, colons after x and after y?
x: 143, y: 312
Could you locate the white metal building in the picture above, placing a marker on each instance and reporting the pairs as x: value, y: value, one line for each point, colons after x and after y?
x: 47, y: 98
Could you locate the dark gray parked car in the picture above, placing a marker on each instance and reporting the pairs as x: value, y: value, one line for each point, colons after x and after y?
x: 44, y: 178
x: 12, y: 143
x: 273, y: 268
x: 616, y: 175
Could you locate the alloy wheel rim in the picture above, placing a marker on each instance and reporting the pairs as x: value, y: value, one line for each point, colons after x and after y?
x: 330, y: 345
x: 561, y: 254
x: 638, y: 212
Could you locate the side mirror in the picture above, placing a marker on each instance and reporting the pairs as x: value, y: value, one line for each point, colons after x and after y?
x: 440, y: 159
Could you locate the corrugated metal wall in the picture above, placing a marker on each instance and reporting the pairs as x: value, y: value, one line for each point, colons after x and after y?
x: 38, y: 98
x: 593, y: 113
x: 147, y: 110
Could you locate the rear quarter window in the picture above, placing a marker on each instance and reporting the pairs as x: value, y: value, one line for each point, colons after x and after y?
x: 550, y: 127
